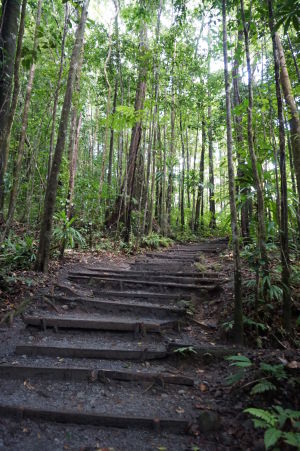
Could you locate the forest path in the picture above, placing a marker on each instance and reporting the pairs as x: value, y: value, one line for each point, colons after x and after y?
x: 115, y: 348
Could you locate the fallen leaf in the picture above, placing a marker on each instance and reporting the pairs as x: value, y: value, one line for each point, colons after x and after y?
x: 203, y: 387
x: 293, y: 365
x: 28, y: 385
x: 180, y: 410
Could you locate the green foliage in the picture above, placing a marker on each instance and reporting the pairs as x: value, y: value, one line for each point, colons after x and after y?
x: 154, y: 241
x: 65, y: 233
x: 185, y: 351
x: 279, y: 424
x: 263, y: 378
x: 17, y: 252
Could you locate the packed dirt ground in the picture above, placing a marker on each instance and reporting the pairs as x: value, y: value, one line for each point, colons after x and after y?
x: 128, y: 352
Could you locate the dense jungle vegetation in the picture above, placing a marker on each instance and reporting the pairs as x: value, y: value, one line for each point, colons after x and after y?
x: 134, y: 123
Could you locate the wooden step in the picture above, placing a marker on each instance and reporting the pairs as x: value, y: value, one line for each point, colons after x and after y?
x: 102, y: 323
x: 142, y: 275
x: 97, y: 419
x: 90, y: 352
x: 120, y: 281
x: 87, y: 374
x: 148, y: 308
x: 150, y: 272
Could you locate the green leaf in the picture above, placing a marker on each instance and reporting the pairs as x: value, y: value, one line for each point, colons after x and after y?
x: 292, y: 438
x: 262, y: 387
x: 264, y: 415
x: 271, y: 437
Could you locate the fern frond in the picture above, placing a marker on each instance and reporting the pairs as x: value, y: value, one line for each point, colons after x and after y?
x: 262, y: 387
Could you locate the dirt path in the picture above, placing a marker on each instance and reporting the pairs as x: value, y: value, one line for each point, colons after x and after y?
x: 107, y: 360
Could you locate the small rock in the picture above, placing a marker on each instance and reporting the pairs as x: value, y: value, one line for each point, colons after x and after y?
x: 218, y: 393
x: 181, y: 392
x: 65, y: 307
x: 164, y: 395
x: 209, y: 421
x: 80, y: 394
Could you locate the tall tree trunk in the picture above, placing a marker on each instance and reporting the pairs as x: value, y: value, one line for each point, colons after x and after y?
x: 50, y: 197
x: 8, y: 42
x: 182, y: 175
x: 238, y: 307
x: 284, y: 233
x: 108, y: 106
x: 256, y: 176
x: 172, y: 141
x: 21, y: 146
x: 239, y: 141
x: 59, y: 79
x: 293, y: 116
x: 294, y: 58
x: 212, y: 204
x: 199, y: 202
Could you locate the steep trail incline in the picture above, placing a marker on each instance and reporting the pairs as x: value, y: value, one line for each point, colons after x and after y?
x: 111, y: 349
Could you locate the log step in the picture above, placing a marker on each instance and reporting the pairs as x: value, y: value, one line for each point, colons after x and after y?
x: 115, y: 280
x: 150, y: 272
x: 97, y: 419
x: 141, y: 276
x: 92, y: 375
x: 153, y: 297
x: 120, y: 307
x: 87, y: 322
x: 91, y: 352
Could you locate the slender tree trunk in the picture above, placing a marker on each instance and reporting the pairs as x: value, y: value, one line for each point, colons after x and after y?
x: 21, y: 146
x: 182, y: 175
x: 194, y: 173
x: 59, y: 79
x: 239, y: 142
x: 50, y: 197
x: 199, y: 202
x: 212, y: 204
x: 293, y: 115
x: 108, y: 106
x: 238, y: 307
x: 284, y: 233
x: 256, y: 176
x: 294, y: 58
x: 9, y: 68
x: 172, y: 142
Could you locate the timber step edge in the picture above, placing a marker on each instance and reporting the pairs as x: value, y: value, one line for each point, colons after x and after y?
x: 91, y: 375
x: 90, y: 353
x: 97, y: 419
x: 64, y: 322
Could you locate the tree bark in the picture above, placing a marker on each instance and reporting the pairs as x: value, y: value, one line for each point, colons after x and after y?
x: 238, y: 307
x: 8, y: 70
x: 257, y: 179
x: 21, y: 145
x: 293, y: 116
x: 42, y: 260
x: 56, y: 95
x: 243, y: 190
x: 199, y: 201
x: 284, y: 233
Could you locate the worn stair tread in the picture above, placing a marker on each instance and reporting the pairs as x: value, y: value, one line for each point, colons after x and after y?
x: 91, y: 353
x: 141, y: 276
x: 98, y: 304
x: 87, y: 321
x: 90, y: 418
x: 88, y: 374
x: 147, y: 282
x: 104, y: 396
x: 197, y: 274
x: 138, y: 295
